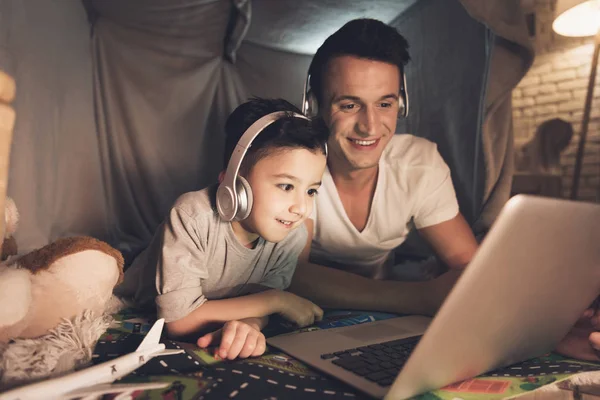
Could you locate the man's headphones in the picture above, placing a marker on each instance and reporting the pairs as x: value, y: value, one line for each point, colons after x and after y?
x: 310, y: 107
x: 234, y: 196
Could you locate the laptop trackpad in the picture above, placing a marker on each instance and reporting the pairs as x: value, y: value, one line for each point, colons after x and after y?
x: 373, y: 332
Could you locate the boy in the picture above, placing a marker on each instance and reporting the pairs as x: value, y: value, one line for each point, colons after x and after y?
x: 203, y: 271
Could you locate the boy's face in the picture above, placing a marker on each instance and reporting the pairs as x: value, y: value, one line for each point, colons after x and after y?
x: 283, y: 184
x: 360, y: 108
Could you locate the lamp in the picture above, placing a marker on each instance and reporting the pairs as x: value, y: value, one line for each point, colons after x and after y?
x: 577, y: 18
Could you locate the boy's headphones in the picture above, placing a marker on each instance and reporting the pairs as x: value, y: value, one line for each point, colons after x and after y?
x: 310, y: 107
x: 234, y: 196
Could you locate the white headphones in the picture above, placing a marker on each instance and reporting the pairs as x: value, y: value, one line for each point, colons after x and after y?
x: 310, y: 106
x: 234, y: 195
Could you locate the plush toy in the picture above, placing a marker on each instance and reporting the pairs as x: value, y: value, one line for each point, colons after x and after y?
x: 53, y: 301
x: 53, y: 305
x: 58, y: 281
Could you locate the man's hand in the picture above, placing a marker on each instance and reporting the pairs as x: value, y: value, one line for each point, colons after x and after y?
x: 595, y: 341
x: 438, y: 290
x: 583, y: 340
x: 298, y: 310
x: 241, y: 339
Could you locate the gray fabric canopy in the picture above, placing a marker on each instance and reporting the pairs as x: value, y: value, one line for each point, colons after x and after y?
x: 120, y: 109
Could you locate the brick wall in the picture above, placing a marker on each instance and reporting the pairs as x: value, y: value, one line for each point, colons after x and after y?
x: 555, y: 87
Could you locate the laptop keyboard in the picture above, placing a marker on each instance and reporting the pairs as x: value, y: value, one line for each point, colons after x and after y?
x: 382, y: 362
x: 379, y: 363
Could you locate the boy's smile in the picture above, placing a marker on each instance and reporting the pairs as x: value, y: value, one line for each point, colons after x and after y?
x: 283, y: 184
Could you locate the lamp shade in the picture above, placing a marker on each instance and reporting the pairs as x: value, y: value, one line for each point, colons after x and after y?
x: 577, y: 17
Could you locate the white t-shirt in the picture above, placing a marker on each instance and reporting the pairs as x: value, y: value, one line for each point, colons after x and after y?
x: 413, y: 185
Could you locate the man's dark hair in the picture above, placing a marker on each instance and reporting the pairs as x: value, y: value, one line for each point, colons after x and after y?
x: 288, y: 132
x: 364, y: 38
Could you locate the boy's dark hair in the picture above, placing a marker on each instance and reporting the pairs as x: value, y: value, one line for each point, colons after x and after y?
x: 288, y: 132
x: 363, y: 38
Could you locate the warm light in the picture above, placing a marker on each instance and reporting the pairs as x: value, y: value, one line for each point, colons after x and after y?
x: 577, y: 18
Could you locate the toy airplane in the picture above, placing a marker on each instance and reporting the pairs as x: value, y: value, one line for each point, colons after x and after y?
x: 97, y: 380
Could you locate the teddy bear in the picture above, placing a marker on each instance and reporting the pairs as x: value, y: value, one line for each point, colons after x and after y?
x: 54, y: 305
x: 58, y: 281
x: 61, y: 280
x: 53, y: 300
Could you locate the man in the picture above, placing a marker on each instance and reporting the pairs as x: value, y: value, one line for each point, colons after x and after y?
x: 377, y: 184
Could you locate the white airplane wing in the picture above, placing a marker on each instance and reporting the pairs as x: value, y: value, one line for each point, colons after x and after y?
x: 152, y: 337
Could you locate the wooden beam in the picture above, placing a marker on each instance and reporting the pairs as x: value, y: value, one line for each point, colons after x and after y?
x: 7, y: 121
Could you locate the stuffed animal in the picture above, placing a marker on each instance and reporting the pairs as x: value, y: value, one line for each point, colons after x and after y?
x: 58, y: 281
x: 54, y: 306
x: 54, y: 301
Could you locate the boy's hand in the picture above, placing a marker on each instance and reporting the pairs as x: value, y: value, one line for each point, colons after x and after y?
x: 298, y: 310
x: 237, y: 338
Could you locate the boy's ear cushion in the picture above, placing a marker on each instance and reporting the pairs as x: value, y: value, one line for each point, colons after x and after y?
x: 245, y: 198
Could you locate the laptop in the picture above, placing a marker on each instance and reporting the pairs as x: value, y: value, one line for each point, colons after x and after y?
x: 534, y: 274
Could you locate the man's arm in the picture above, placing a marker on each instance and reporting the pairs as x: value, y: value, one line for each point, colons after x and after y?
x: 453, y: 241
x: 328, y: 287
x: 333, y: 288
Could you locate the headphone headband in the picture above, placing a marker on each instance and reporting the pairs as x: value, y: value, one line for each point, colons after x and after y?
x: 306, y: 108
x: 404, y: 95
x: 227, y: 196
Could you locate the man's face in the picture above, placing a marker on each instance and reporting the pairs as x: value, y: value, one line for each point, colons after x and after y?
x: 360, y: 107
x: 283, y: 187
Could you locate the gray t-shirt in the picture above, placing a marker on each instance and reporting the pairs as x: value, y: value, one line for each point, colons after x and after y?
x: 195, y: 256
